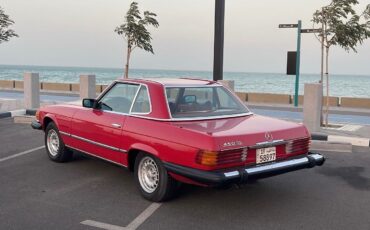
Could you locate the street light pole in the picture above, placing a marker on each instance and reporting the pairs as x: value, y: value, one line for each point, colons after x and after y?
x: 298, y: 63
x: 218, y: 59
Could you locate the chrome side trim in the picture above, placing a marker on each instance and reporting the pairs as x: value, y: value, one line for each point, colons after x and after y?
x: 134, y: 100
x: 150, y: 101
x: 168, y: 109
x: 191, y: 119
x: 210, y: 118
x: 204, y: 118
x: 277, y: 165
x: 64, y: 133
x: 93, y: 155
x: 93, y: 142
x: 231, y: 174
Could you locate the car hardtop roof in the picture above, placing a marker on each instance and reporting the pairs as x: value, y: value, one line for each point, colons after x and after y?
x: 172, y: 81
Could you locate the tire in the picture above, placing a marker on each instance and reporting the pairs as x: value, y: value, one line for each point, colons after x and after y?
x: 152, y: 179
x: 54, y: 145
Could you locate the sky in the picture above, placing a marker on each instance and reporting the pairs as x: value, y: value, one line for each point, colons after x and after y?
x: 81, y: 33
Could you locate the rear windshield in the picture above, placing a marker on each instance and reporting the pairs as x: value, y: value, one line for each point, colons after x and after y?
x: 187, y: 102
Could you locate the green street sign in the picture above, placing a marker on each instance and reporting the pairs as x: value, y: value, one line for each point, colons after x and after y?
x: 311, y: 31
x: 288, y: 25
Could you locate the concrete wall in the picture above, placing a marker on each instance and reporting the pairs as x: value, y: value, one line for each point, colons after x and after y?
x: 269, y: 98
x: 242, y: 96
x: 48, y: 86
x: 18, y: 85
x: 5, y: 84
x: 333, y: 101
x: 355, y: 102
x: 76, y: 88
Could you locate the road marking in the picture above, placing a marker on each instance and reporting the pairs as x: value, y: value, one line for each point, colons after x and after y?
x: 21, y: 154
x: 143, y: 216
x: 139, y: 220
x: 101, y: 225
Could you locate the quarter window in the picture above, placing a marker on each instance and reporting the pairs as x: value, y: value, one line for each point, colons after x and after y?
x: 119, y: 98
x: 142, y: 102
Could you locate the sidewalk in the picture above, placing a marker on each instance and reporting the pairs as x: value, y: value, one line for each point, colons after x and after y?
x: 13, y: 100
x: 350, y: 125
x: 291, y: 108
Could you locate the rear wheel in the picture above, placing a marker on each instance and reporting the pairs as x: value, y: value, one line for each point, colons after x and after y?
x: 54, y: 144
x: 152, y: 178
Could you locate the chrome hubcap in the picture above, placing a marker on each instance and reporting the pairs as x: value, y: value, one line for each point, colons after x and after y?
x: 148, y: 174
x: 52, y: 141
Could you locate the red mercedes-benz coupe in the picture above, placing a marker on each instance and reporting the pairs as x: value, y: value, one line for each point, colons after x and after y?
x: 176, y: 130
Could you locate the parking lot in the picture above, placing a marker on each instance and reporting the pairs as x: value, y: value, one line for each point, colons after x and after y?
x: 36, y: 193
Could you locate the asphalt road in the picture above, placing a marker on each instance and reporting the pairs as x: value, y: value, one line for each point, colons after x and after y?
x: 36, y: 193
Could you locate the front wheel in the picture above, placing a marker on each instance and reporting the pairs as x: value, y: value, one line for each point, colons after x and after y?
x: 152, y: 178
x: 54, y: 144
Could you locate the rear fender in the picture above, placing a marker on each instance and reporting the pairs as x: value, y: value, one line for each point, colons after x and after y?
x: 145, y: 148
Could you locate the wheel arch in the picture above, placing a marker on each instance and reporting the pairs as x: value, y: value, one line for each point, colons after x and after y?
x: 47, y: 119
x: 135, y: 150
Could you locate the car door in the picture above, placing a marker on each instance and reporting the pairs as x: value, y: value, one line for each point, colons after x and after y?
x: 98, y: 131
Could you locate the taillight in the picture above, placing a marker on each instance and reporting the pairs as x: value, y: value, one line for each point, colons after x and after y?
x: 297, y: 146
x: 215, y: 158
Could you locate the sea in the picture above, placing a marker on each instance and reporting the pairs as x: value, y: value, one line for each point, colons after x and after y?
x: 340, y: 85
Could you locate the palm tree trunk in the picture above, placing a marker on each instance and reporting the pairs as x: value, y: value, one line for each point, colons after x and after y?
x: 327, y: 86
x: 322, y: 68
x: 127, y: 61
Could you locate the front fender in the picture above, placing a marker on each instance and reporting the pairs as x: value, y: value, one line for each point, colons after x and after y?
x: 51, y: 117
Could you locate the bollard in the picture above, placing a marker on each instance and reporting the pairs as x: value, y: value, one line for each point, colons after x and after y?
x: 87, y: 86
x: 228, y: 83
x: 312, y: 105
x: 31, y: 90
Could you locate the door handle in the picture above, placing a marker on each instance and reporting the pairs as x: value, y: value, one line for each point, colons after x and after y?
x: 115, y: 125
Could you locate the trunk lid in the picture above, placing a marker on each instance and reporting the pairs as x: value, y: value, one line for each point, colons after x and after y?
x: 231, y: 133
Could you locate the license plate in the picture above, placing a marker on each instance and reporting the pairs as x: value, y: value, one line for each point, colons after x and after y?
x: 265, y: 155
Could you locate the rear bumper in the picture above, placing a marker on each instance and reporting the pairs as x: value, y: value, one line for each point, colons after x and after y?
x: 36, y: 125
x: 246, y: 174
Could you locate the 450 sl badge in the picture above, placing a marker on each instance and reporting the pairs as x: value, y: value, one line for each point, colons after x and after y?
x: 232, y: 143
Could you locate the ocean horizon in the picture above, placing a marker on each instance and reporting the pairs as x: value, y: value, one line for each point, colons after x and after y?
x: 342, y: 85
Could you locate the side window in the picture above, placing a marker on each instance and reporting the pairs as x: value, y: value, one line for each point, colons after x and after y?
x: 119, y: 98
x: 226, y: 101
x: 142, y: 102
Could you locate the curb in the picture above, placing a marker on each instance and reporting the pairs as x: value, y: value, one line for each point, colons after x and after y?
x: 31, y: 112
x: 14, y: 113
x: 356, y: 141
x: 19, y: 112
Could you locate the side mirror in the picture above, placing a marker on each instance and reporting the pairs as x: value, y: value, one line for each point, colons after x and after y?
x: 88, y: 103
x: 189, y: 99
